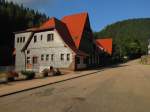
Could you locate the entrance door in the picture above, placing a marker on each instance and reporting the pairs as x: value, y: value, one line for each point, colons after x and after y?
x: 35, y: 62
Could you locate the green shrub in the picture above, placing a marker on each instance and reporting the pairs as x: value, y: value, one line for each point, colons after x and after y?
x: 28, y: 74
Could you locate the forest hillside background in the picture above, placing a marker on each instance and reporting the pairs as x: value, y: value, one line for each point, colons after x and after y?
x: 130, y: 37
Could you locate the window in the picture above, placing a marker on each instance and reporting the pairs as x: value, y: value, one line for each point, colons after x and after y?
x: 35, y: 39
x: 78, y: 60
x: 34, y: 60
x: 68, y: 57
x: 42, y: 57
x: 52, y: 57
x: 28, y: 60
x: 23, y: 39
x: 28, y: 51
x: 18, y: 40
x: 41, y: 37
x: 47, y: 57
x: 85, y: 60
x: 50, y: 37
x: 62, y: 57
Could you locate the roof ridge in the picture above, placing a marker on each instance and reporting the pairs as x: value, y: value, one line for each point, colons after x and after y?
x: 46, y: 23
x: 75, y: 14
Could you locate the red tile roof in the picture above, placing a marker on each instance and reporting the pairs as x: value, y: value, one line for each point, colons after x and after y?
x: 105, y: 44
x: 70, y: 28
x: 48, y: 24
x: 75, y: 24
x: 64, y: 32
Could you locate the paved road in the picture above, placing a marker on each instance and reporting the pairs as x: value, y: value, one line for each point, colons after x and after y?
x: 124, y: 88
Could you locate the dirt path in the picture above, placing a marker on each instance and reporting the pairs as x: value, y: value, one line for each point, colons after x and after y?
x: 125, y: 88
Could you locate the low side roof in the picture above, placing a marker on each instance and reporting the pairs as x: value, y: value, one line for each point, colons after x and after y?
x: 59, y: 26
x: 106, y: 44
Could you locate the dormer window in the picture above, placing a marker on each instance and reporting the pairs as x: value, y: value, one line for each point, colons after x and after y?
x: 50, y: 37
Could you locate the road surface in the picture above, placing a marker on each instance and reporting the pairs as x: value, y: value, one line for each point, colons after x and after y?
x: 123, y: 88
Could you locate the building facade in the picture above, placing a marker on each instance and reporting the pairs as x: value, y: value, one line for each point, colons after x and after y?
x: 67, y: 43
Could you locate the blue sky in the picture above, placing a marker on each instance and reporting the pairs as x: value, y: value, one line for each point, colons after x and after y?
x: 101, y: 12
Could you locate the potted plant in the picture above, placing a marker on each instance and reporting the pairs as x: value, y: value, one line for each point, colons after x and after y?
x: 11, y: 75
x: 45, y: 72
x: 57, y: 72
x: 51, y: 71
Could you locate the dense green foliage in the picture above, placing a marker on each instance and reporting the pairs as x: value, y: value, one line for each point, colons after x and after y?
x: 13, y: 18
x: 28, y: 74
x: 130, y: 37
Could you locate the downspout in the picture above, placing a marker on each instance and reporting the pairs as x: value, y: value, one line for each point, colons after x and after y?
x: 75, y: 60
x: 23, y: 49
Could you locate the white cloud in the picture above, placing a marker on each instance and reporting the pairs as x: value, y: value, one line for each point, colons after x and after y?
x: 40, y: 5
x: 21, y: 1
x: 29, y: 2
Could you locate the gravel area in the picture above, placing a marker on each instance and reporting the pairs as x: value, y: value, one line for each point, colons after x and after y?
x: 122, y: 88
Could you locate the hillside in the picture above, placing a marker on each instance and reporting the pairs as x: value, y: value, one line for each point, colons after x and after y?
x: 14, y: 17
x: 129, y: 37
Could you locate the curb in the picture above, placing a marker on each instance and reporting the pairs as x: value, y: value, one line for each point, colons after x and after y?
x: 71, y: 78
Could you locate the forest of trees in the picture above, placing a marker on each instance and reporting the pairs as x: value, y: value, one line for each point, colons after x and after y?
x: 14, y: 18
x: 130, y: 38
